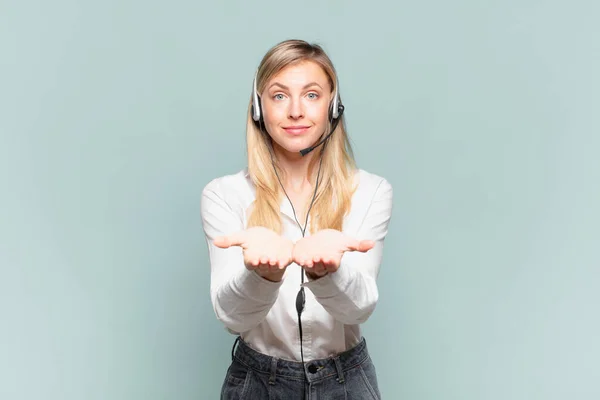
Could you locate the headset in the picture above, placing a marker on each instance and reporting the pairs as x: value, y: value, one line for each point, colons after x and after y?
x: 336, y: 110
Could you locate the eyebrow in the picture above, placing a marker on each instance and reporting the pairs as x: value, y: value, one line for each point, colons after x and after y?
x: 287, y: 88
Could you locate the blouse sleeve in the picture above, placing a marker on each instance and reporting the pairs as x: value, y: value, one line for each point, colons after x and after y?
x: 241, y: 298
x: 350, y: 294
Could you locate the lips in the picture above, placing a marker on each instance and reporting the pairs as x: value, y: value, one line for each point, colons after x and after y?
x: 296, y: 130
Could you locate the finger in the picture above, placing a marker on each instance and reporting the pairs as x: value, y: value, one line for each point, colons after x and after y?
x: 284, y: 259
x: 360, y: 245
x: 319, y: 268
x: 266, y: 264
x: 275, y: 264
x: 366, y: 245
x: 255, y: 262
x: 252, y: 259
x: 322, y: 264
x: 264, y: 267
x: 329, y: 260
x: 235, y: 239
x: 283, y: 262
x: 331, y: 264
x: 252, y: 264
x: 305, y: 263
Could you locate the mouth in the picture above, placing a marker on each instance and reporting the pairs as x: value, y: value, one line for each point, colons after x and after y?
x: 296, y: 130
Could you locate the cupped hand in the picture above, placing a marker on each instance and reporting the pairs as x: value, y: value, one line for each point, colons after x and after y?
x: 265, y: 251
x: 322, y: 252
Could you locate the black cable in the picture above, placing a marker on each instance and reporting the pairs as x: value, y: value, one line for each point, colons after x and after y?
x: 300, y: 297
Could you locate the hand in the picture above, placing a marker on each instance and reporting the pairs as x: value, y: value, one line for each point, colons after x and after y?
x: 264, y: 250
x: 322, y: 252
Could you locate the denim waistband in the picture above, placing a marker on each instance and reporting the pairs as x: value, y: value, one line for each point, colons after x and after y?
x: 312, y: 370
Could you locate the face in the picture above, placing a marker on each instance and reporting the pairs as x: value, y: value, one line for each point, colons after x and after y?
x: 295, y: 104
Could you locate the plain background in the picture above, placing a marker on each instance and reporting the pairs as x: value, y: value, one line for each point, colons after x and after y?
x: 484, y: 116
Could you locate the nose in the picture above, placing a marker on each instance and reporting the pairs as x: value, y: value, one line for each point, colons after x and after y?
x: 296, y: 110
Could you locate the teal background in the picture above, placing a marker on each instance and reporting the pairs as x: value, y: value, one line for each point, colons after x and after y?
x: 482, y: 114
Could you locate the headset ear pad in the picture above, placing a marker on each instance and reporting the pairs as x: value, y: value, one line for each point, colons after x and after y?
x: 256, y: 109
x: 337, y: 109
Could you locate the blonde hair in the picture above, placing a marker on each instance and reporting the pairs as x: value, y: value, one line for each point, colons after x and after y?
x: 337, y: 177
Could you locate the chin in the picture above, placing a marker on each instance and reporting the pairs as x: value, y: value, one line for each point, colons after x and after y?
x: 294, y: 146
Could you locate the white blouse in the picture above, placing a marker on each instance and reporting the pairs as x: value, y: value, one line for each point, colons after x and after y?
x: 264, y: 313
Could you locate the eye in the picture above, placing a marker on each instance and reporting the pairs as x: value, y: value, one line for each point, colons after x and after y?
x: 278, y: 96
x: 313, y: 95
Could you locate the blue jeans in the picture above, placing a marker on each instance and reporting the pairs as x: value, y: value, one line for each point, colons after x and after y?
x: 255, y: 376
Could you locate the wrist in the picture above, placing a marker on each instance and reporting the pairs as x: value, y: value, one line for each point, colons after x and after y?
x: 314, y: 276
x: 271, y: 276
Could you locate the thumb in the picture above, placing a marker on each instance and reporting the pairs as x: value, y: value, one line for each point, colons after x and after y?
x: 235, y: 239
x: 361, y: 245
x: 366, y: 245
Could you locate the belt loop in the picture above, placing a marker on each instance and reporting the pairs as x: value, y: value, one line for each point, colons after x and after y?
x: 273, y: 370
x: 237, y: 339
x: 338, y: 367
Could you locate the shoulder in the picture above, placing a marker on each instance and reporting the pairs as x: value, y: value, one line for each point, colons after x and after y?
x: 372, y: 186
x: 231, y: 190
x: 372, y: 203
x: 226, y: 183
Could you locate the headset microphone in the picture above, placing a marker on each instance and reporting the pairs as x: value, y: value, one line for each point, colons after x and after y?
x: 335, y: 124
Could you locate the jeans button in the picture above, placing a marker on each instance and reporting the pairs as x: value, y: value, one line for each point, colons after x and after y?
x: 312, y: 368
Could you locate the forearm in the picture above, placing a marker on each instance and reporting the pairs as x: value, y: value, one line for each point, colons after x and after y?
x: 243, y: 301
x: 350, y: 294
x: 347, y: 294
x: 241, y: 298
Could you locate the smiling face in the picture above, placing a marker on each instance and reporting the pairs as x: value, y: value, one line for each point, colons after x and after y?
x: 295, y: 104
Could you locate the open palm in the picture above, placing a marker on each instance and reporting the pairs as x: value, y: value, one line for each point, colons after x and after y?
x: 264, y: 250
x: 322, y: 252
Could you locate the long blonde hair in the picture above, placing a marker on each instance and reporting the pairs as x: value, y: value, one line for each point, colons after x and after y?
x: 337, y: 177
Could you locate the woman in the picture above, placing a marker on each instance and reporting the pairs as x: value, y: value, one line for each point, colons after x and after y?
x: 296, y: 293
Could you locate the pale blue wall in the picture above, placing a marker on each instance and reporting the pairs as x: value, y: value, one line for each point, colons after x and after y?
x: 483, y: 115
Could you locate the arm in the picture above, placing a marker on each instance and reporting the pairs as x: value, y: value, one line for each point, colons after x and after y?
x: 241, y: 298
x: 350, y: 294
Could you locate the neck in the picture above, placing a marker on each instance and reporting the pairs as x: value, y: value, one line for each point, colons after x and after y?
x: 296, y: 169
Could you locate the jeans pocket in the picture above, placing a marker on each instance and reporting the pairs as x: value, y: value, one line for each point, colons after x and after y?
x: 369, y: 374
x: 236, y: 382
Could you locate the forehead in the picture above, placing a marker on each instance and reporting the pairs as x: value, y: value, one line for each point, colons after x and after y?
x: 301, y: 73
